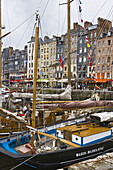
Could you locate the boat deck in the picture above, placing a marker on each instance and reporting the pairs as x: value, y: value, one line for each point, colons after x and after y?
x: 84, y: 130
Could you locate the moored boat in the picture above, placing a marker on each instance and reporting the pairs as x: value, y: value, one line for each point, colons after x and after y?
x: 60, y: 147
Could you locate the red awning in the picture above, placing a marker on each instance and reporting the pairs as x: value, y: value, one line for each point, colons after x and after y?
x: 102, y: 80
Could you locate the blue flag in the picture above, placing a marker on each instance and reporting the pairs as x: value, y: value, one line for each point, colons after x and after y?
x: 80, y: 10
x: 80, y: 2
x: 25, y: 61
x: 63, y: 60
x: 41, y: 72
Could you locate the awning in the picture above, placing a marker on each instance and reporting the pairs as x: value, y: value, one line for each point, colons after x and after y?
x: 43, y: 80
x: 102, y: 80
x: 88, y: 79
x: 65, y: 80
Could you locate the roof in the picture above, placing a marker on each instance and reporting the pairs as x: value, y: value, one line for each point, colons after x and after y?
x: 84, y: 130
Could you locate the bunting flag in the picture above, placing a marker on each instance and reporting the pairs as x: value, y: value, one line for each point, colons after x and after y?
x: 25, y: 61
x: 83, y: 28
x: 77, y: 54
x: 63, y: 60
x: 80, y: 9
x: 88, y: 45
x: 89, y: 55
x: 80, y: 2
x: 95, y: 79
x: 62, y: 65
x: 60, y: 59
x: 81, y: 20
x: 41, y: 72
x: 91, y: 48
x: 90, y: 64
x: 97, y: 87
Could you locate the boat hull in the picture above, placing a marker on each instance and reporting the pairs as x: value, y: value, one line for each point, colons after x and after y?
x: 54, y: 160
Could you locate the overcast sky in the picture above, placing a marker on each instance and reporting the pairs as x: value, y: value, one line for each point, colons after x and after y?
x: 53, y: 19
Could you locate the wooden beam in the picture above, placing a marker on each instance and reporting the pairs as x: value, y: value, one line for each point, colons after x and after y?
x: 61, y: 140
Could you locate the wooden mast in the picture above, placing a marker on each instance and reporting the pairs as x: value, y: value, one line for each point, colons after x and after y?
x: 69, y: 44
x: 35, y: 75
x: 0, y: 61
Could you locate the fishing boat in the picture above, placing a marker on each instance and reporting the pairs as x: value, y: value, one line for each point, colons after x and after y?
x: 60, y: 147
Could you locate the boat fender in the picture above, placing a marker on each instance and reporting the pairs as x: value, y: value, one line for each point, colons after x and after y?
x: 30, y: 147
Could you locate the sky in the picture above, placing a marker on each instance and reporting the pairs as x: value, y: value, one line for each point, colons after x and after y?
x: 53, y: 17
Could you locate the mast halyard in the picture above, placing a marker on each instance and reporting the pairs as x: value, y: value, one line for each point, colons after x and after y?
x: 0, y: 62
x: 69, y: 46
x: 35, y: 75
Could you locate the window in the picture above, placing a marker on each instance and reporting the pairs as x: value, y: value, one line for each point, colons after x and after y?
x: 99, y: 52
x: 99, y: 44
x: 81, y: 41
x: 80, y: 50
x: 103, y: 51
x: 80, y: 59
x: 103, y: 43
x: 91, y: 35
x: 90, y: 42
x: 74, y: 68
x: 95, y: 51
x: 108, y: 68
x: 16, y: 62
x: 95, y: 34
x: 84, y: 49
x: 109, y: 42
x: 103, y: 68
x: 108, y: 59
x: 84, y: 59
x: 108, y: 50
x: 108, y: 76
x: 90, y: 52
x: 98, y: 68
x: 89, y: 68
x: 98, y: 60
x: 95, y: 42
x: 47, y: 50
x: 103, y: 59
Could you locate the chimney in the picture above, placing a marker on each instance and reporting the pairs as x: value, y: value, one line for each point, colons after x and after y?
x: 76, y: 27
x: 32, y: 38
x: 87, y: 24
x: 46, y: 38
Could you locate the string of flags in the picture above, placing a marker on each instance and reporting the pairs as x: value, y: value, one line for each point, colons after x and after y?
x: 87, y: 41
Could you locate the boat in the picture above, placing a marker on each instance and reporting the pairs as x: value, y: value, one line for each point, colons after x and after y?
x: 66, y: 95
x: 69, y: 144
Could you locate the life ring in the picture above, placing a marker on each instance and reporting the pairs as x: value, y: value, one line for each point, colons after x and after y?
x: 30, y: 147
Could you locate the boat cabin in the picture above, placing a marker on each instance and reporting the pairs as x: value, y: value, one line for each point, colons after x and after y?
x: 84, y: 134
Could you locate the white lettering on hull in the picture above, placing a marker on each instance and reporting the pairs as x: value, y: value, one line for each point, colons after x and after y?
x: 90, y: 151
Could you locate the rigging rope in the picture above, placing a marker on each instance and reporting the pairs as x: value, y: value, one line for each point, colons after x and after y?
x: 22, y: 23
x: 23, y: 33
x: 45, y: 9
x: 24, y: 162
